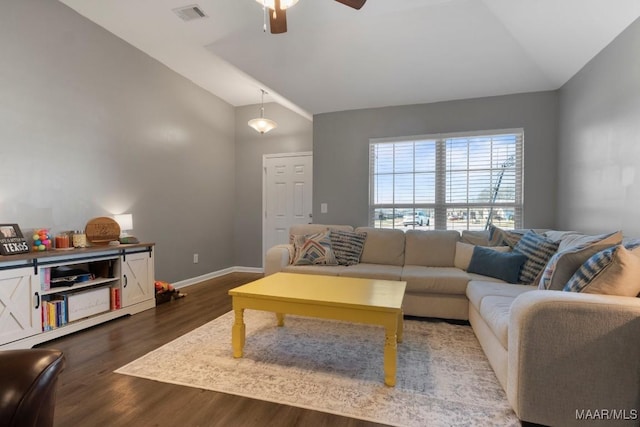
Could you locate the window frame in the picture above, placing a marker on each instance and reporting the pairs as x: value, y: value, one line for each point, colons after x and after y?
x: 440, y: 206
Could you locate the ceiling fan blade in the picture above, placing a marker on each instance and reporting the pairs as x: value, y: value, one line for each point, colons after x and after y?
x: 356, y: 4
x: 277, y: 19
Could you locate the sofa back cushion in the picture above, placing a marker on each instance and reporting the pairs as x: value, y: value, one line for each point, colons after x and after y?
x: 464, y: 252
x: 475, y: 237
x: 382, y: 246
x: 303, y: 229
x: 431, y: 248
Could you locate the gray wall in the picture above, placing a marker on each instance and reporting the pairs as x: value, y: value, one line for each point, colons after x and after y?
x: 599, y: 141
x: 293, y: 134
x: 91, y: 126
x: 341, y: 141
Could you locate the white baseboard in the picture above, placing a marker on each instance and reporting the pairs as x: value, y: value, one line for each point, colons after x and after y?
x: 213, y: 275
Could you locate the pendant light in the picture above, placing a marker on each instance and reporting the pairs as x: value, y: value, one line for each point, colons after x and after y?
x: 261, y: 124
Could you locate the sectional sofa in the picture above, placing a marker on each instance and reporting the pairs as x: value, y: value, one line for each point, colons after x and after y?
x: 563, y: 358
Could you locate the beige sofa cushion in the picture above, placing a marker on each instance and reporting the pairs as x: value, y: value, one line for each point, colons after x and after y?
x: 474, y: 237
x: 435, y: 280
x: 483, y: 278
x: 431, y: 248
x: 373, y: 271
x: 323, y: 270
x: 478, y: 289
x: 493, y: 302
x: 303, y: 229
x: 383, y: 246
x: 495, y: 312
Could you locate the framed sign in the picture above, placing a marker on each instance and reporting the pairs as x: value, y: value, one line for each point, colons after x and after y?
x: 11, y: 240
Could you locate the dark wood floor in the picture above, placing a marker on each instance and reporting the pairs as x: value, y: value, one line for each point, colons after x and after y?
x: 90, y: 394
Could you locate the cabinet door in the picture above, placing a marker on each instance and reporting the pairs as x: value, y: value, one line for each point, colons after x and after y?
x: 19, y: 305
x: 137, y: 278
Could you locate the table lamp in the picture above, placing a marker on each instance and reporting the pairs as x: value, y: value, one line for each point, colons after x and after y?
x: 125, y: 221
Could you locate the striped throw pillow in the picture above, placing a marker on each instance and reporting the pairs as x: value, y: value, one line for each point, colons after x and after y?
x: 571, y: 256
x: 614, y: 271
x: 538, y: 250
x: 347, y: 246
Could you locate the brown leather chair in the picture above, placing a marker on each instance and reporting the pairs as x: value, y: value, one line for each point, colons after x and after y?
x: 28, y: 380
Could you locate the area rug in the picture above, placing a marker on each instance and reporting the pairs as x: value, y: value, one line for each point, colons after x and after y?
x: 443, y: 376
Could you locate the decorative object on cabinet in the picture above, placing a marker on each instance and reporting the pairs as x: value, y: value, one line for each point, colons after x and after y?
x: 11, y: 240
x: 125, y: 221
x: 79, y: 239
x: 63, y: 241
x: 41, y: 240
x: 102, y: 230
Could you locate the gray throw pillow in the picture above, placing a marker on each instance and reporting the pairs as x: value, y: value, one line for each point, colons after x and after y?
x: 347, y: 246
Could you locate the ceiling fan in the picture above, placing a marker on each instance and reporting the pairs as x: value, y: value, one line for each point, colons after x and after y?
x: 278, y: 12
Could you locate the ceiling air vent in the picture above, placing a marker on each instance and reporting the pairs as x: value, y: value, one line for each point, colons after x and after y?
x: 189, y: 13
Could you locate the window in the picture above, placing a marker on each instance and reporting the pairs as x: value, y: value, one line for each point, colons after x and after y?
x: 451, y: 181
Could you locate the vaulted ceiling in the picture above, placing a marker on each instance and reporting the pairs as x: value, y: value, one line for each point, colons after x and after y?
x: 391, y: 52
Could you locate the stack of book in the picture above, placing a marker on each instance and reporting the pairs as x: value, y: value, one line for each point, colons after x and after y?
x: 54, y: 313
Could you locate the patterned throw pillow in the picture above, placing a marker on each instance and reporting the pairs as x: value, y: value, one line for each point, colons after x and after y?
x: 568, y: 259
x: 314, y: 249
x: 538, y: 249
x: 613, y: 271
x: 347, y: 246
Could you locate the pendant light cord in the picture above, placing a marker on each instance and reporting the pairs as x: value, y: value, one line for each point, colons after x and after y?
x: 264, y: 16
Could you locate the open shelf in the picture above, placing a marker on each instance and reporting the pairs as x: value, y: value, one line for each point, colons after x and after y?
x: 80, y: 285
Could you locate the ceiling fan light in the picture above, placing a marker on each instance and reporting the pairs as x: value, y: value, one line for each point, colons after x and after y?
x: 284, y: 4
x: 262, y: 125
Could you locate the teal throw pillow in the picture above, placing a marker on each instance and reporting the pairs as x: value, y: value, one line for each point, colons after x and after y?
x: 501, y: 265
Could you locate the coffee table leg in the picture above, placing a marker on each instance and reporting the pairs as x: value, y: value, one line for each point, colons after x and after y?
x: 280, y: 317
x: 390, y: 354
x: 400, y: 325
x: 237, y: 333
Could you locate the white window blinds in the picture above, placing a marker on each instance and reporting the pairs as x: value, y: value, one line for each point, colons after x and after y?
x: 453, y: 181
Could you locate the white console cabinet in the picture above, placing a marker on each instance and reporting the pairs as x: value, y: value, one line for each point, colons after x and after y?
x: 46, y: 295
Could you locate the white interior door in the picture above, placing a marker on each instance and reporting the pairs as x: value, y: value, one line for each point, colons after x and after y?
x: 286, y: 199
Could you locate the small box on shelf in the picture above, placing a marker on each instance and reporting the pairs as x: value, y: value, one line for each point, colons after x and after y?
x: 85, y: 304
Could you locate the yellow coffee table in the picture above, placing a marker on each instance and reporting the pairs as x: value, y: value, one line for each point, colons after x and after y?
x: 370, y: 301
